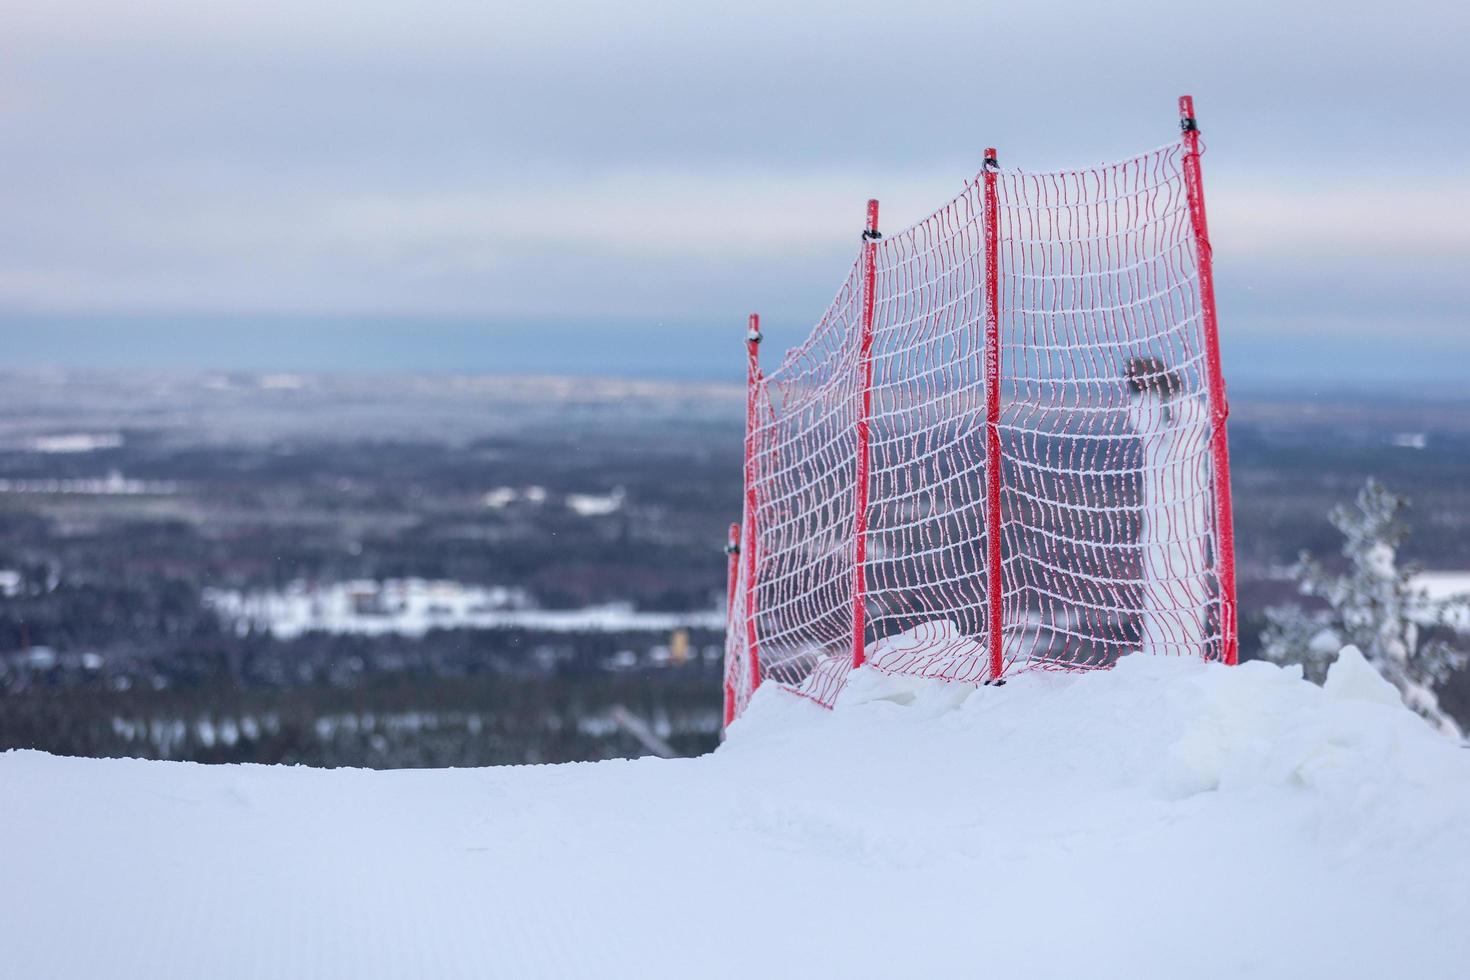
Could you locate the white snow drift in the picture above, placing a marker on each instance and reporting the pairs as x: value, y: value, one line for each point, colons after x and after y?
x: 1164, y: 819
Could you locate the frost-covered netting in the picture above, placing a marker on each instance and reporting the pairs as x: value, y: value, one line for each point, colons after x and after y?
x: 1107, y: 513
x: 739, y: 683
x: 1107, y: 498
x: 926, y: 583
x: 803, y: 452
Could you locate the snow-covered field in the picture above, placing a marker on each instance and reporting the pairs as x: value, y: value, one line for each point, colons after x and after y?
x: 412, y: 607
x: 1164, y: 819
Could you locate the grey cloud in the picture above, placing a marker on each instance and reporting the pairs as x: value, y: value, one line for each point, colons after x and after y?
x: 691, y: 160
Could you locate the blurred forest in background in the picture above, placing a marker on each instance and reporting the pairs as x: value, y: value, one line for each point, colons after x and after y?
x: 410, y: 571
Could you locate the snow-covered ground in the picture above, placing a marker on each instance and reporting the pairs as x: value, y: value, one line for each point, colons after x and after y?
x: 412, y: 607
x: 112, y: 485
x: 1164, y: 819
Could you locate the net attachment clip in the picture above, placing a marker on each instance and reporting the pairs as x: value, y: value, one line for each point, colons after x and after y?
x: 871, y: 234
x: 991, y: 164
x: 753, y: 336
x: 732, y: 549
x: 1188, y: 125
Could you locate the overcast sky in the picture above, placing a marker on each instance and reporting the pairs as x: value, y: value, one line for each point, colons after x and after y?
x: 595, y: 165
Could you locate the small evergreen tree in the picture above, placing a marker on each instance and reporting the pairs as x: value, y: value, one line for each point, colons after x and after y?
x: 1374, y: 606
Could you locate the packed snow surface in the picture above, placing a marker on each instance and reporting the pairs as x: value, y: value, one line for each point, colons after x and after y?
x: 1164, y: 819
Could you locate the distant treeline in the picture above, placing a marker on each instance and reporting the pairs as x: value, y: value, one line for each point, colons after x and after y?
x: 388, y: 722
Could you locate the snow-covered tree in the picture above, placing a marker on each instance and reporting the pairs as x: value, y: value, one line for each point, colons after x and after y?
x: 1373, y: 605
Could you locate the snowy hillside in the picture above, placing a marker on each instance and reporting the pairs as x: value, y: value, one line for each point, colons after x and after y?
x: 1164, y: 819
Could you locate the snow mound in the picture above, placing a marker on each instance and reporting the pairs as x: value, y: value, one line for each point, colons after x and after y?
x: 1166, y: 818
x: 1352, y: 678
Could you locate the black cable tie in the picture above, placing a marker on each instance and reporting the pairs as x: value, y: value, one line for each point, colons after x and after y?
x: 754, y: 337
x: 732, y: 549
x: 991, y: 163
x: 870, y: 234
x: 1188, y: 125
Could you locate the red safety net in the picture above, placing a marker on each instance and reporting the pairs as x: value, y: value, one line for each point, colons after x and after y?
x: 870, y: 450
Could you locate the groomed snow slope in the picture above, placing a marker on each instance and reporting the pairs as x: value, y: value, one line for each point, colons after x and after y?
x: 1164, y: 819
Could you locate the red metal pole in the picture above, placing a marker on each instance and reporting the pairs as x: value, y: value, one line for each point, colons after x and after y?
x: 860, y: 506
x: 732, y: 548
x: 752, y: 405
x: 993, y: 579
x: 1219, y: 407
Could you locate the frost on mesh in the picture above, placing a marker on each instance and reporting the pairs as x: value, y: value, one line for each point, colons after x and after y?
x: 1107, y: 518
